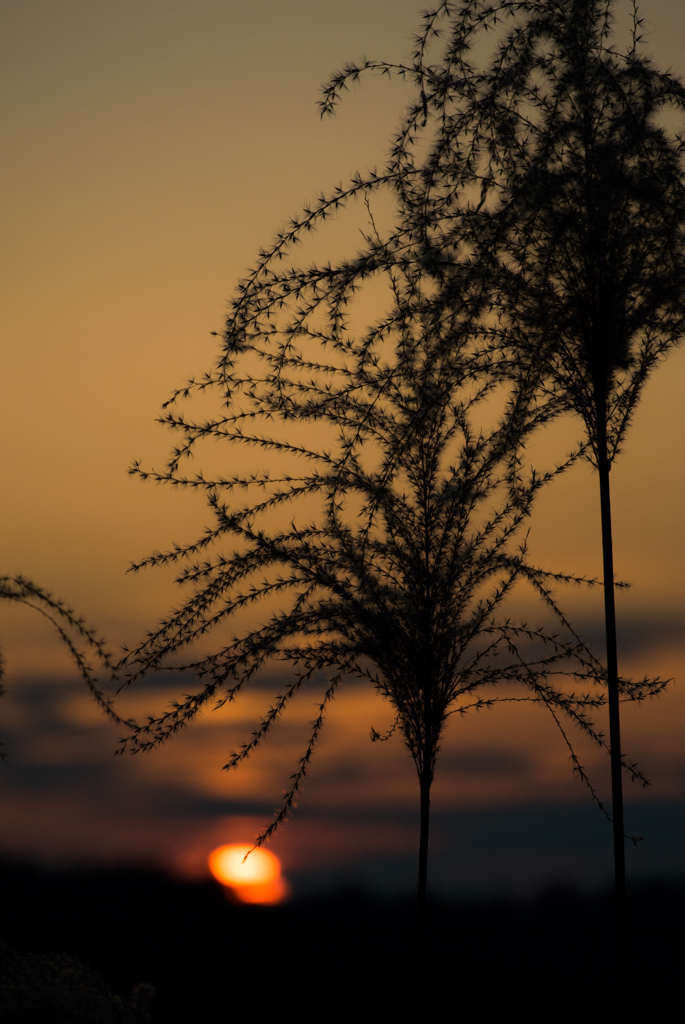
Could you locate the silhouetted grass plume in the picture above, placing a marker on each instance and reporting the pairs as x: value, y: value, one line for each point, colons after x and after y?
x: 550, y: 163
x: 531, y: 264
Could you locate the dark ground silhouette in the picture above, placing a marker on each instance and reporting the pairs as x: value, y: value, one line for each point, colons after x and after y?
x: 344, y: 956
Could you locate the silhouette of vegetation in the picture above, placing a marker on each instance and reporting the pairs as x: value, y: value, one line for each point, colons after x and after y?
x: 347, y: 949
x: 532, y: 264
x: 36, y: 987
x: 389, y: 557
x: 82, y: 642
x: 552, y: 165
x: 590, y: 224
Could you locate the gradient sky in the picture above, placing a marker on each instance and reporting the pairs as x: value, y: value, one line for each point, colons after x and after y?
x: 150, y: 148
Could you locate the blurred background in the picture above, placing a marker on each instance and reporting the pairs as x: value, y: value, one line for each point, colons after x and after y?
x: 151, y: 148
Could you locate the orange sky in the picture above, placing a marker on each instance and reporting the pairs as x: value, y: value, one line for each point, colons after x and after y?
x: 150, y: 148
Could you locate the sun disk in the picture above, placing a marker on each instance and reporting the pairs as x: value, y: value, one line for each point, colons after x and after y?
x: 253, y: 879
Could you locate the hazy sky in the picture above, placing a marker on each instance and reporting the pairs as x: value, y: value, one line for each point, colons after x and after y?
x: 150, y: 147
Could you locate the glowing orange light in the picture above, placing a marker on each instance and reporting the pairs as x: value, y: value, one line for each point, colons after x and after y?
x: 255, y: 880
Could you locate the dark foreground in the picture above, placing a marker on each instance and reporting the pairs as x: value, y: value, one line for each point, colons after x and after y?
x: 341, y: 957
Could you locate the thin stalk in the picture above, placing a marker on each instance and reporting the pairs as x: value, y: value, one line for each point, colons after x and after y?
x: 622, y: 1000
x: 425, y: 786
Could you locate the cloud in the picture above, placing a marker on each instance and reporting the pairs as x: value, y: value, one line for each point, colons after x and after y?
x: 506, y: 807
x: 485, y: 761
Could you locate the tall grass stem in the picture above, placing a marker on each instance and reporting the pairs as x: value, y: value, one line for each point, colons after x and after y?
x: 419, y: 979
x: 622, y: 978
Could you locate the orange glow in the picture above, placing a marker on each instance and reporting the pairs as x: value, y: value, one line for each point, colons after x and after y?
x: 255, y: 880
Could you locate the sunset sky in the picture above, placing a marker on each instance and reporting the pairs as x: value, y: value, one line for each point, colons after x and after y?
x: 150, y: 148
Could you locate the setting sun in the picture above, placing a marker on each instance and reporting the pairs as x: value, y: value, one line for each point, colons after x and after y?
x: 257, y: 879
